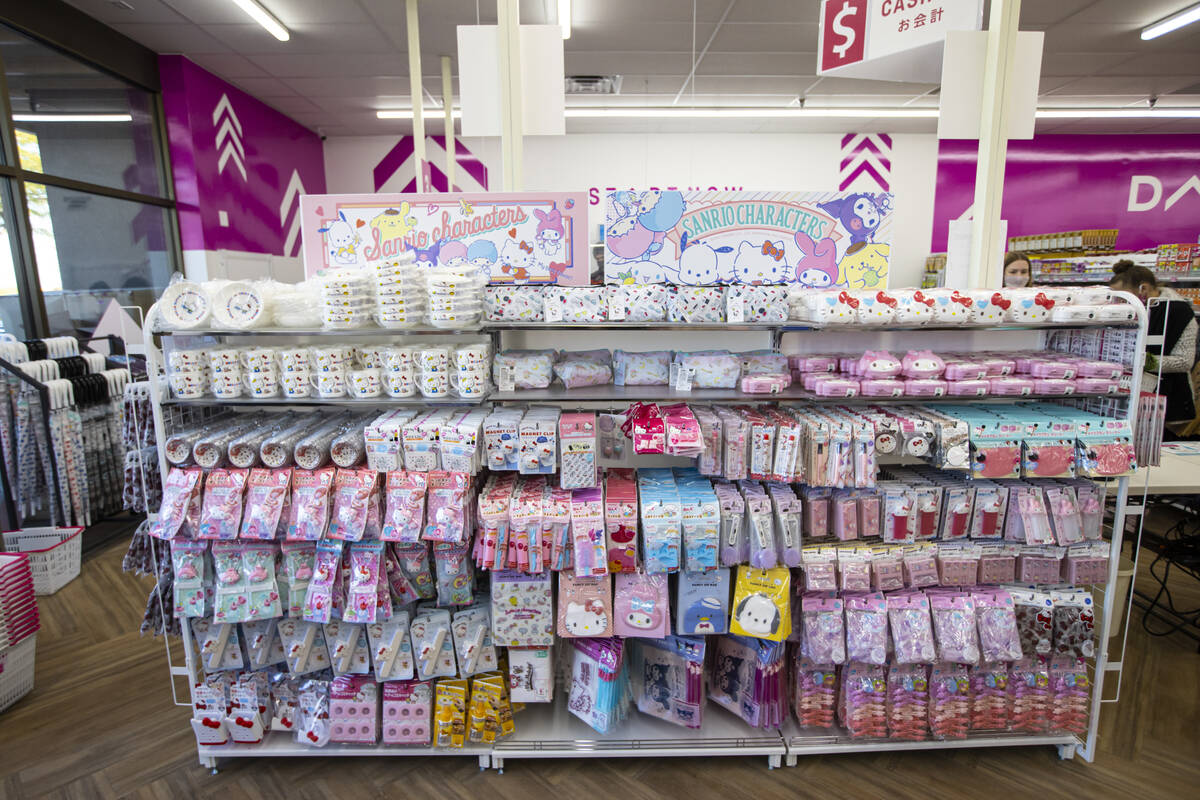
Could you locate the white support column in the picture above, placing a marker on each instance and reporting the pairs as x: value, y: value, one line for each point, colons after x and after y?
x: 511, y: 114
x: 986, y: 231
x: 416, y: 88
x: 448, y: 106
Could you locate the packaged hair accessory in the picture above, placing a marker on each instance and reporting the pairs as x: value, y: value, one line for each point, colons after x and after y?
x: 760, y: 603
x: 815, y: 693
x: 824, y: 637
x: 266, y: 495
x: 413, y: 561
x: 309, y: 514
x: 404, y: 513
x: 949, y: 701
x: 863, y: 701
x: 908, y: 701
x: 954, y: 627
x: 312, y: 719
x: 366, y: 560
x: 351, y: 494
x: 996, y: 617
x: 1029, y: 695
x: 319, y: 599
x: 866, y: 628
x: 912, y: 631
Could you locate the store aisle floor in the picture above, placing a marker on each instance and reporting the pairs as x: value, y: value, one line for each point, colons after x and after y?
x: 100, y: 724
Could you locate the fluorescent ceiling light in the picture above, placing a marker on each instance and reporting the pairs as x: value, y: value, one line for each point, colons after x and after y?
x: 1118, y: 113
x: 265, y: 18
x: 72, y: 118
x: 427, y: 112
x: 733, y: 112
x: 1172, y: 23
x: 564, y: 17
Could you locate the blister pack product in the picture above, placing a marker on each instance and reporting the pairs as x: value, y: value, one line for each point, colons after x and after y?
x: 309, y: 512
x: 584, y: 605
x: 761, y: 607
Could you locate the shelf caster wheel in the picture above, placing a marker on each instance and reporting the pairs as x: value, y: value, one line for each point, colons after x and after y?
x: 1066, y: 752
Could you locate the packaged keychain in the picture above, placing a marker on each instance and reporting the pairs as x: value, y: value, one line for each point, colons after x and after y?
x: 760, y: 604
x: 319, y: 599
x: 404, y: 511
x: 266, y: 495
x: 351, y: 495
x: 362, y: 590
x: 954, y: 627
x: 190, y: 562
x: 221, y: 512
x: 309, y: 515
x: 258, y: 569
x: 232, y: 596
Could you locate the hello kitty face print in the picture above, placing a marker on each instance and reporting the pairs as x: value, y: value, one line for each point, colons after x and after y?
x: 760, y: 263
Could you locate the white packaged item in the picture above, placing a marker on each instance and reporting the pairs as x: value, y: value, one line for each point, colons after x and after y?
x: 241, y: 305
x: 184, y: 306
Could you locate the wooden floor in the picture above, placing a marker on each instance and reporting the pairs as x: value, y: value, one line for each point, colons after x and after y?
x: 100, y: 723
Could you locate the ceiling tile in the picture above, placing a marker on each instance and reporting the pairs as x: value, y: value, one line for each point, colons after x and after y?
x: 345, y: 65
x: 228, y: 65
x: 143, y: 11
x: 1157, y: 64
x: 1138, y: 13
x: 629, y: 62
x: 586, y: 13
x: 1118, y: 85
x: 1043, y: 13
x: 299, y: 12
x: 210, y: 12
x: 807, y: 11
x: 765, y: 36
x: 306, y: 38
x: 264, y: 87
x: 758, y: 64
x: 625, y: 35
x: 174, y: 38
x: 759, y: 84
x: 1076, y: 64
x: 292, y: 104
x: 851, y: 86
x: 363, y: 103
x: 336, y: 87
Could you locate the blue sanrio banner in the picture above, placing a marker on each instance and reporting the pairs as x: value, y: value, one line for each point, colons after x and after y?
x: 816, y: 239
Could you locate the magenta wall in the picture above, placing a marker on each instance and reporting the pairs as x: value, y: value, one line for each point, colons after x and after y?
x: 1066, y: 183
x: 239, y: 156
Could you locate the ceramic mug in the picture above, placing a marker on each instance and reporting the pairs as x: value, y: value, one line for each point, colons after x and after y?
x: 433, y: 359
x: 371, y: 355
x: 434, y: 384
x: 398, y: 359
x: 293, y: 359
x: 226, y: 386
x: 188, y: 360
x: 328, y: 359
x: 261, y: 384
x: 469, y: 385
x: 475, y: 355
x: 364, y: 383
x: 225, y: 360
x: 329, y: 384
x: 258, y: 359
x: 399, y: 384
x: 188, y: 384
x: 295, y: 383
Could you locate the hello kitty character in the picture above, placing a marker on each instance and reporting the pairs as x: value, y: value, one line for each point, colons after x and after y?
x: 878, y: 364
x: 922, y: 364
x: 838, y: 308
x: 878, y: 308
x: 698, y: 262
x: 342, y: 240
x: 516, y: 259
x: 550, y: 232
x: 952, y: 307
x: 914, y: 308
x: 585, y: 619
x: 1029, y: 307
x: 759, y: 263
x: 989, y: 307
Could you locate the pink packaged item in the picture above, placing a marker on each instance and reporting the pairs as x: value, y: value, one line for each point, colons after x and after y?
x: 407, y: 712
x: 1096, y: 386
x: 998, y: 366
x: 922, y: 387
x: 1010, y: 386
x: 1053, y: 386
x: 881, y: 387
x: 813, y: 363
x: 766, y: 383
x: 645, y: 426
x: 964, y: 371
x: 1052, y: 369
x: 878, y: 364
x: 1099, y: 369
x: 354, y: 710
x: 973, y: 388
x: 641, y: 605
x: 922, y: 364
x: 836, y: 387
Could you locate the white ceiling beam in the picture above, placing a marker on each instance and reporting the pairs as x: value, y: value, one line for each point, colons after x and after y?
x: 699, y: 58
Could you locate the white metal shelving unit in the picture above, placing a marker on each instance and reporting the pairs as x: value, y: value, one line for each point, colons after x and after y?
x: 548, y: 730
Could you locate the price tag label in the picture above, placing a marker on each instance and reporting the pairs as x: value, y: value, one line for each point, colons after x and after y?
x: 616, y: 307
x: 683, y: 379
x: 505, y: 380
x: 735, y: 308
x: 554, y: 310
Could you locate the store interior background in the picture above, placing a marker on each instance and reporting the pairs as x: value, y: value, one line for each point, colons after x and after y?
x: 306, y: 113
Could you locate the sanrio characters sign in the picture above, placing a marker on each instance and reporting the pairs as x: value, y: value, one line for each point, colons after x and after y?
x: 817, y: 239
x: 512, y: 238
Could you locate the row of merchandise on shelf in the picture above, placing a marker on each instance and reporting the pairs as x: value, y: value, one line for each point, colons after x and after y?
x: 460, y: 301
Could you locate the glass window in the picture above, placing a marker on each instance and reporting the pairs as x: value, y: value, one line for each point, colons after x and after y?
x: 85, y: 124
x: 92, y: 249
x: 10, y: 301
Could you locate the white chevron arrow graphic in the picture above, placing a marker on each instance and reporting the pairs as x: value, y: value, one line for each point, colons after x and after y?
x: 229, y: 132
x: 291, y: 200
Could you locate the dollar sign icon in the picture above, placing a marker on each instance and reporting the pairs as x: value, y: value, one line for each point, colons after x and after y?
x: 845, y: 31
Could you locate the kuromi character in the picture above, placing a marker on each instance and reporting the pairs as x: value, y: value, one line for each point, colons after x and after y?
x: 585, y: 619
x: 757, y: 615
x: 342, y: 240
x: 864, y: 266
x: 817, y: 267
x: 658, y: 685
x: 760, y: 263
x: 549, y: 235
x: 428, y: 258
x: 860, y: 214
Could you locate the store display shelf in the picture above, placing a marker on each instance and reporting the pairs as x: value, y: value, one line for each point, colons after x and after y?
x: 284, y: 744
x: 354, y: 402
x: 1103, y: 277
x: 802, y: 742
x: 557, y: 393
x: 551, y: 731
x: 635, y: 326
x: 368, y: 331
x: 793, y: 326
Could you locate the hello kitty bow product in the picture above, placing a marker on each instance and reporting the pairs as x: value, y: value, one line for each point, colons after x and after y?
x: 1029, y: 305
x: 951, y: 307
x: 915, y: 307
x: 878, y: 308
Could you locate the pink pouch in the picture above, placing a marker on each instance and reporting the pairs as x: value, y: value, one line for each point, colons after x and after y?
x: 973, y: 388
x: 1053, y: 386
x: 882, y: 387
x: 1099, y: 369
x: 965, y: 371
x: 997, y: 367
x: 766, y: 383
x: 1010, y: 386
x: 836, y: 387
x: 1025, y: 363
x: 1096, y: 386
x: 1052, y: 369
x: 924, y: 387
x: 811, y: 379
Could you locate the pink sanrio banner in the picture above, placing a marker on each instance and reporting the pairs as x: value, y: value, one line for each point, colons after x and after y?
x: 521, y: 237
x: 698, y: 237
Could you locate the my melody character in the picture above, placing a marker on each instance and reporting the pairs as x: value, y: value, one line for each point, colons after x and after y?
x: 864, y: 266
x: 817, y: 267
x: 923, y: 364
x: 757, y: 615
x: 698, y: 262
x: 453, y: 254
x: 482, y: 255
x: 585, y: 619
x: 342, y: 240
x: 878, y: 364
x: 758, y: 263
x: 860, y: 214
x: 704, y: 616
x: 644, y: 613
x: 517, y: 259
x: 658, y: 685
x: 549, y: 235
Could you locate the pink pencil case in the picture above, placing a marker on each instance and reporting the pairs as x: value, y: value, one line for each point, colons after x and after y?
x: 766, y: 382
x: 836, y: 387
x: 813, y: 363
x: 924, y: 387
x: 810, y: 379
x: 1010, y: 386
x: 1097, y: 386
x: 998, y: 367
x: 973, y: 388
x: 1054, y: 386
x: 965, y: 371
x: 881, y: 387
x: 1099, y: 369
x: 848, y: 365
x: 1052, y: 369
